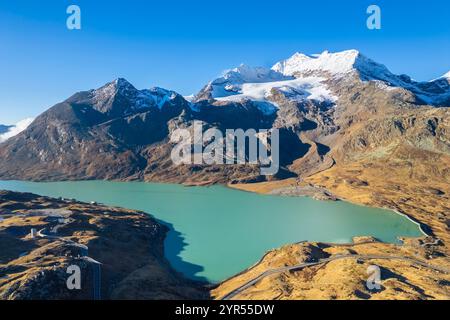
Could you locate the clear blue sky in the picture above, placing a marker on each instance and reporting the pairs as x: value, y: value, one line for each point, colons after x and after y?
x: 182, y: 44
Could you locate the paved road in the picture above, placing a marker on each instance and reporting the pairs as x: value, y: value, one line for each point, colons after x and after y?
x: 97, y: 274
x: 337, y: 257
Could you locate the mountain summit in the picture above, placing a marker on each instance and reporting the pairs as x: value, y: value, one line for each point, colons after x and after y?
x: 336, y: 64
x: 119, y: 98
x: 315, y: 77
x: 231, y: 82
x: 4, y: 128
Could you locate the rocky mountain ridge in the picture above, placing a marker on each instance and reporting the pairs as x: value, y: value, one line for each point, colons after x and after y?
x: 9, y: 131
x: 4, y: 128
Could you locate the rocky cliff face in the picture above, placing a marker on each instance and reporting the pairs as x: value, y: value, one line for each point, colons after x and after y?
x: 330, y: 108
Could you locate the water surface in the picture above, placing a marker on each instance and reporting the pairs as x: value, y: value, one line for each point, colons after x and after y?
x: 217, y: 232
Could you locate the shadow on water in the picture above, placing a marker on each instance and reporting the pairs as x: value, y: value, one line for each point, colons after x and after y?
x: 174, y: 244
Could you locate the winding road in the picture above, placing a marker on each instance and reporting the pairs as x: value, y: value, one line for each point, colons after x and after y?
x: 322, y: 261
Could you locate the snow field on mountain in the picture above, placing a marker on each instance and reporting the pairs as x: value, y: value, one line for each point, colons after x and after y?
x: 311, y: 88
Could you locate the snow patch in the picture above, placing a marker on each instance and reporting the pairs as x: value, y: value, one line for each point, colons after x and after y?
x: 337, y: 64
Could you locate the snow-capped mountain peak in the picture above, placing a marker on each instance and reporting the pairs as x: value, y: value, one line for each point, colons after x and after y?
x: 313, y: 77
x: 15, y: 129
x: 257, y: 85
x: 122, y: 83
x: 118, y: 86
x: 352, y: 62
x: 301, y: 56
x: 159, y: 96
x: 230, y: 83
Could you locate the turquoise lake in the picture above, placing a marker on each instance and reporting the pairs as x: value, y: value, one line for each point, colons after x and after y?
x: 216, y: 231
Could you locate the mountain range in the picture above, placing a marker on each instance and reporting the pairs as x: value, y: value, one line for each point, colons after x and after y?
x: 332, y: 109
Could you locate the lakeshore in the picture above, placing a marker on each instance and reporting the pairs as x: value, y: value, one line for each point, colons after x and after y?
x: 216, y: 232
